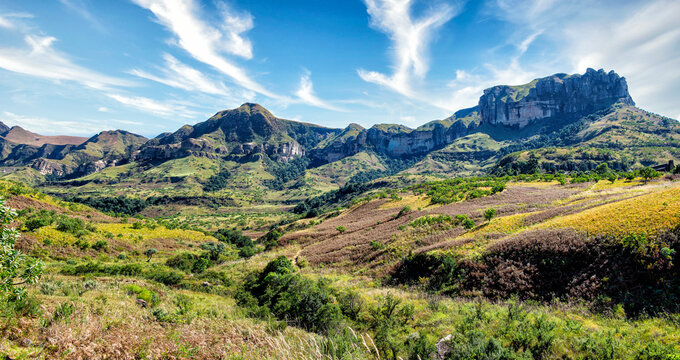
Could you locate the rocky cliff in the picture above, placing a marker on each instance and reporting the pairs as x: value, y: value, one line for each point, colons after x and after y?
x: 397, y: 141
x: 556, y: 96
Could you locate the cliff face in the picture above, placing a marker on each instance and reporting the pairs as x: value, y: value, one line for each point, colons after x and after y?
x: 396, y: 140
x: 560, y: 95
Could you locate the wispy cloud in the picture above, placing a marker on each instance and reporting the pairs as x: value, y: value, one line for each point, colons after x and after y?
x: 178, y: 75
x: 637, y: 39
x: 47, y: 126
x: 80, y: 7
x: 40, y: 59
x: 306, y: 93
x: 154, y: 107
x: 5, y: 23
x: 410, y: 37
x: 209, y: 43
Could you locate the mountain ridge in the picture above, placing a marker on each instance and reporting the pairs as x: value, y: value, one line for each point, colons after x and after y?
x: 507, y: 118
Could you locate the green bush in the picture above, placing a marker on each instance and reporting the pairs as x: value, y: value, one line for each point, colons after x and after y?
x: 71, y: 225
x: 167, y: 277
x: 302, y: 301
x: 100, y: 245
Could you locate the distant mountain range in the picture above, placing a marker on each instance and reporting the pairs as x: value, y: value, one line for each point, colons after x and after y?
x: 570, y: 122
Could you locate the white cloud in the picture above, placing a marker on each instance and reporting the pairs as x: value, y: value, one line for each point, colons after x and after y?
x: 5, y: 23
x: 103, y: 109
x: 47, y: 126
x: 410, y: 37
x: 208, y: 43
x: 80, y: 8
x: 638, y: 39
x: 181, y: 76
x: 306, y: 93
x: 40, y: 59
x: 154, y: 107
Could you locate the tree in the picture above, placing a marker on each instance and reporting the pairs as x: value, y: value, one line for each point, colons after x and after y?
x: 602, y: 169
x: 489, y: 214
x: 150, y: 253
x: 341, y: 229
x: 612, y: 177
x: 468, y: 223
x: 16, y: 268
x: 648, y: 173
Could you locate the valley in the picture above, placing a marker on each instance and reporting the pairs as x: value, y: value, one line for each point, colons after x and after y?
x: 532, y: 226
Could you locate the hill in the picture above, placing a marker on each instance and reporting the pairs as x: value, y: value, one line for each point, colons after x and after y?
x: 248, y: 157
x: 19, y: 135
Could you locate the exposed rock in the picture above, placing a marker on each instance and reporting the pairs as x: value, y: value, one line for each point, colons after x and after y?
x: 142, y: 303
x: 50, y: 167
x: 560, y: 95
x: 26, y: 342
x: 443, y: 347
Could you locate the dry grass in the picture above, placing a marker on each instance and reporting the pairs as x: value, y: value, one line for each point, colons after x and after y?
x: 107, y: 323
x: 646, y: 214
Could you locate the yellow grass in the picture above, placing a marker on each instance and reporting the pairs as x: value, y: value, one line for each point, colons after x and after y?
x: 606, y: 184
x: 413, y: 201
x: 160, y: 232
x: 646, y: 214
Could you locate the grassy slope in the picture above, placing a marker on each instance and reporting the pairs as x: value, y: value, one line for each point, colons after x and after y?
x: 107, y: 320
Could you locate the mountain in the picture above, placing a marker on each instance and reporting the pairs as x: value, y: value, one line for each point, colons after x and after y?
x: 558, y: 96
x: 247, y: 132
x: 568, y: 122
x: 107, y: 148
x: 19, y: 135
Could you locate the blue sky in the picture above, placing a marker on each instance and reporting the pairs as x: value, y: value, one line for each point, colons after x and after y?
x: 150, y: 66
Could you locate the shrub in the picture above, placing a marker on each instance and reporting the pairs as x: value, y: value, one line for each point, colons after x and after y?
x: 468, y: 223
x: 71, y: 225
x: 16, y: 268
x: 150, y: 253
x: 167, y: 277
x: 304, y: 302
x: 489, y: 214
x: 341, y: 229
x: 100, y: 245
x: 405, y: 210
x: 350, y: 303
x: 41, y: 219
x: 648, y: 173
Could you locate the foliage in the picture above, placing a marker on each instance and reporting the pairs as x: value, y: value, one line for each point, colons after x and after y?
x: 232, y: 236
x: 150, y: 253
x: 489, y: 214
x: 217, y: 182
x: 289, y: 295
x: 16, y: 268
x: 284, y: 172
x: 648, y: 173
x: 454, y: 190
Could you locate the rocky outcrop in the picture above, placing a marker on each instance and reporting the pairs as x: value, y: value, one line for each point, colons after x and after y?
x: 50, y: 167
x: 552, y: 97
x: 392, y: 140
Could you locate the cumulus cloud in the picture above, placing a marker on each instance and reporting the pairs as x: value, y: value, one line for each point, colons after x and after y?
x: 153, y: 106
x: 410, y: 38
x: 206, y: 42
x: 40, y: 59
x: 306, y: 94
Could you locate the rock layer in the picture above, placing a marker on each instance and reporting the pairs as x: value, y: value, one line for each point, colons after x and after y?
x: 557, y: 96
